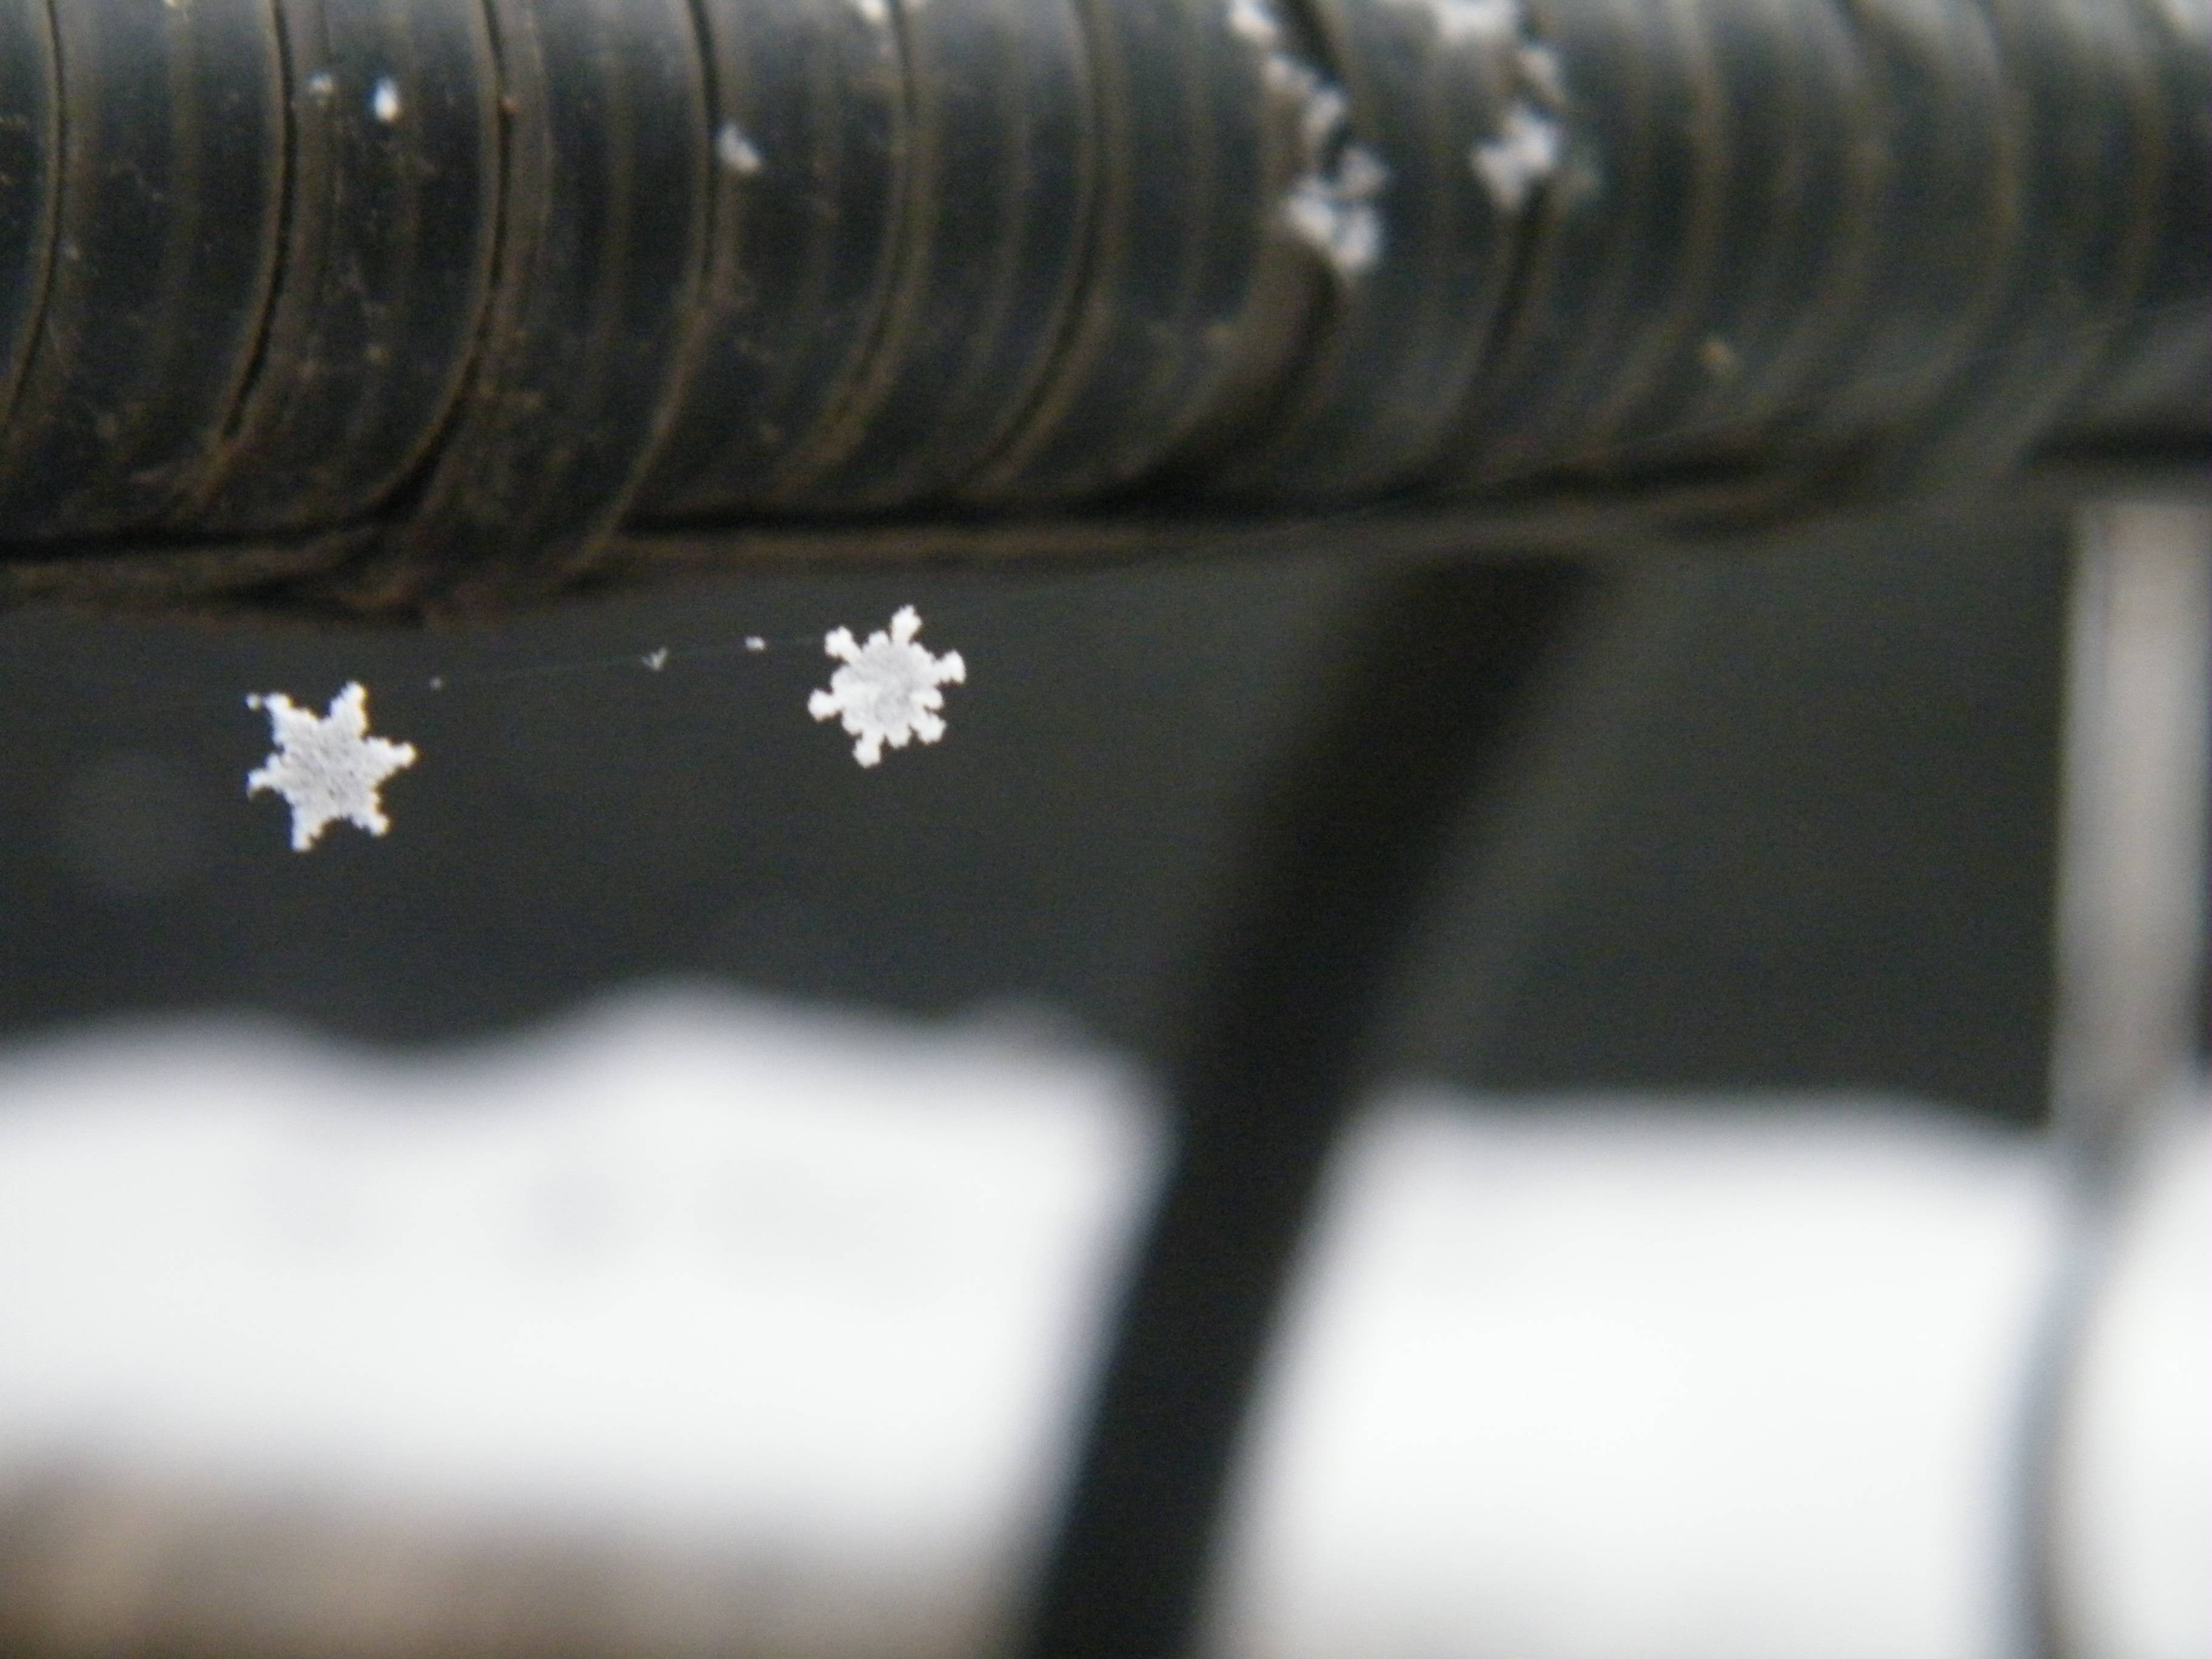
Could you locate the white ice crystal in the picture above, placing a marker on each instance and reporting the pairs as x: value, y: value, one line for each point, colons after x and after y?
x: 1331, y: 205
x: 1485, y: 22
x: 1528, y: 147
x: 1254, y: 20
x: 1335, y: 212
x: 1525, y: 152
x: 736, y: 152
x: 326, y: 766
x: 887, y: 691
x: 1540, y: 72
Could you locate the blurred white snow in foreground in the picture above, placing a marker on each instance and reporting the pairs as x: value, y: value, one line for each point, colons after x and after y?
x: 796, y: 1301
x: 2135, y: 1481
x: 1714, y: 1383
x: 766, y: 1330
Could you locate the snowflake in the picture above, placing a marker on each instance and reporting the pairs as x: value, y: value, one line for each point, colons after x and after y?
x: 326, y: 766
x: 887, y: 690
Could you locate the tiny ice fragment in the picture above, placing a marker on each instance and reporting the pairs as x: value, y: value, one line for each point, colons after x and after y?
x: 1335, y: 212
x: 1321, y: 119
x: 326, y: 766
x: 1525, y: 152
x: 1254, y: 20
x: 656, y: 659
x: 1488, y: 22
x: 755, y: 642
x: 1539, y: 68
x: 1331, y: 205
x: 887, y: 690
x: 383, y: 100
x: 735, y: 151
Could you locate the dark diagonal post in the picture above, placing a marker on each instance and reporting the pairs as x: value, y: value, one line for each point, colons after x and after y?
x: 1273, y: 1061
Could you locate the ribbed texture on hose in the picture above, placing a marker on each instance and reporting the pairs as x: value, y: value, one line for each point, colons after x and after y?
x: 461, y: 286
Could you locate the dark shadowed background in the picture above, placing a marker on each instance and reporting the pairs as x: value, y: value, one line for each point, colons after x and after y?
x: 1788, y: 820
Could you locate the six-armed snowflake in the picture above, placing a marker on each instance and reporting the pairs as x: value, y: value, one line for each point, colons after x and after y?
x: 326, y: 766
x: 887, y: 690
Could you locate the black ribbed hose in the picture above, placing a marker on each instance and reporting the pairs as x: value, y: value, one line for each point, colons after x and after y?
x: 401, y: 305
